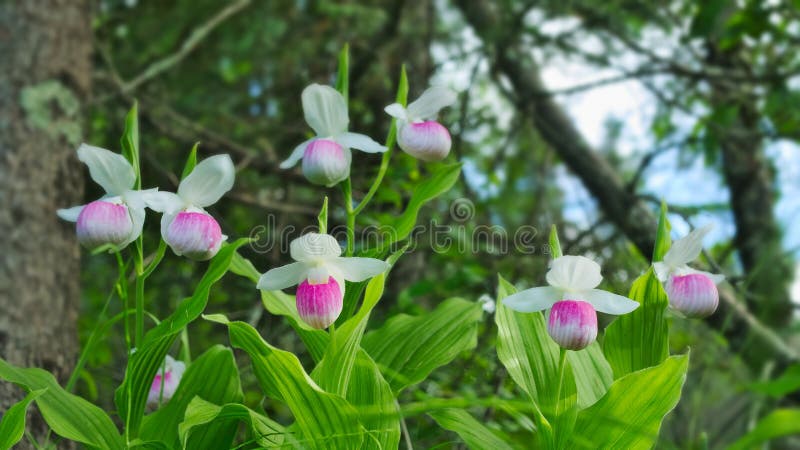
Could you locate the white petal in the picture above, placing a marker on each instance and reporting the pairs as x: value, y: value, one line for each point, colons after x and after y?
x: 609, y: 303
x: 70, y: 214
x: 137, y: 217
x: 662, y: 271
x: 574, y: 273
x: 297, y: 155
x: 430, y: 102
x: 283, y: 277
x: 209, y: 180
x: 325, y: 110
x: 163, y: 202
x: 688, y: 248
x: 360, y: 269
x: 314, y: 247
x: 397, y: 111
x: 359, y: 141
x: 110, y: 170
x: 534, y: 299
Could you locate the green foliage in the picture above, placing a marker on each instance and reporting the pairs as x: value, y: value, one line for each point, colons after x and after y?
x: 630, y: 414
x: 12, y: 426
x: 191, y: 161
x: 474, y: 433
x: 407, y: 356
x: 214, y: 378
x: 130, y: 142
x: 67, y: 415
x: 202, y: 417
x: 778, y: 423
x: 786, y: 383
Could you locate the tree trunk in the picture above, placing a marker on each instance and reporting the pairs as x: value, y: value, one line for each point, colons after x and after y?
x: 44, y: 77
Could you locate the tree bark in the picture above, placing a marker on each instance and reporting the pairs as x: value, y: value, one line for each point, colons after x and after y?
x: 44, y: 77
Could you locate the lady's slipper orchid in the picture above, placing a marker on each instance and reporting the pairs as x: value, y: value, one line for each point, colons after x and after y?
x: 418, y: 134
x: 117, y: 218
x: 326, y: 157
x: 572, y: 300
x: 320, y: 272
x: 187, y: 228
x: 691, y: 292
x: 165, y: 382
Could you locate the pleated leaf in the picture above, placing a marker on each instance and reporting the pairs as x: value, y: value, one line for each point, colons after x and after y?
x: 475, y: 434
x: 629, y: 415
x: 12, y: 426
x: 203, y: 418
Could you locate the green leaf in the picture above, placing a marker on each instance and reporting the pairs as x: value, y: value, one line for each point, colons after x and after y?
x: 322, y: 218
x: 12, y: 426
x: 191, y: 161
x: 202, y: 417
x: 407, y: 356
x: 640, y: 339
x: 68, y: 415
x: 629, y: 415
x: 143, y: 365
x: 214, y: 377
x: 474, y: 433
x: 788, y: 382
x: 375, y: 402
x: 324, y: 420
x: 555, y: 245
x: 593, y: 374
x: 778, y: 423
x: 130, y: 142
x: 663, y: 239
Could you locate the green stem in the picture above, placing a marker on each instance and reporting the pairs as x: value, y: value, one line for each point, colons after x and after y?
x: 73, y: 378
x: 351, y: 217
x: 387, y: 155
x: 122, y: 290
x: 562, y: 359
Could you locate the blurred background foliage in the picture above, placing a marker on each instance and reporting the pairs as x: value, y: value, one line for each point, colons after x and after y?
x: 718, y: 81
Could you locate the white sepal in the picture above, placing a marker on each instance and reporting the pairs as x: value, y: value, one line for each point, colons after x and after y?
x: 137, y: 218
x: 428, y: 104
x: 325, y: 110
x: 164, y: 202
x: 209, y: 181
x: 108, y: 169
x: 70, y: 214
x: 534, y: 299
x: 359, y: 269
x: 314, y: 247
x: 397, y: 111
x: 297, y: 155
x: 686, y: 249
x: 715, y: 277
x: 609, y: 303
x: 662, y: 271
x: 574, y: 273
x: 359, y: 141
x: 283, y: 277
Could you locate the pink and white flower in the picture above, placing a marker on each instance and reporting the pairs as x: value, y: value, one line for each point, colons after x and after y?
x: 165, y: 382
x: 572, y: 300
x: 320, y: 272
x: 691, y: 292
x: 188, y: 229
x: 417, y: 133
x: 326, y: 157
x: 118, y: 217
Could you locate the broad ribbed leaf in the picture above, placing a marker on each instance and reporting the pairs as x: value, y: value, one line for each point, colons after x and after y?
x: 663, y: 239
x: 640, y: 339
x: 407, y: 348
x: 143, y: 365
x: 12, y: 426
x: 778, y: 423
x: 68, y: 415
x: 592, y: 372
x: 377, y: 409
x: 323, y: 420
x: 474, y: 433
x: 629, y: 415
x: 202, y: 418
x: 214, y: 377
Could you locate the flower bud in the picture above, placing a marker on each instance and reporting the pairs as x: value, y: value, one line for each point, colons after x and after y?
x: 572, y: 324
x: 325, y: 162
x: 195, y: 235
x: 319, y: 305
x: 100, y: 223
x: 165, y: 382
x: 694, y: 295
x: 428, y: 141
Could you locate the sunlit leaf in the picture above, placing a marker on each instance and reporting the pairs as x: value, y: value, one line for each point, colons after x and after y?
x: 475, y: 434
x: 12, y: 426
x: 202, y: 417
